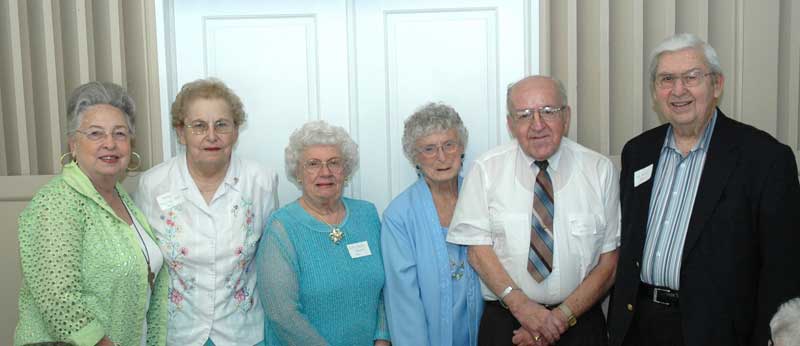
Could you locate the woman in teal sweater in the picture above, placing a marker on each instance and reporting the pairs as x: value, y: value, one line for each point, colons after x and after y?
x: 91, y: 271
x: 319, y: 264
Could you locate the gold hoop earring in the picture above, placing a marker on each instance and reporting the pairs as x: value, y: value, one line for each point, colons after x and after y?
x: 138, y: 161
x: 71, y: 159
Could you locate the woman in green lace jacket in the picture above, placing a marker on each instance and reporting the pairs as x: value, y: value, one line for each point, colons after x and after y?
x: 91, y: 271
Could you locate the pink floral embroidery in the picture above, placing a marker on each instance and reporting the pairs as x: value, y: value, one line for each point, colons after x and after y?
x: 184, y: 251
x: 175, y: 297
x: 239, y: 250
x: 241, y: 295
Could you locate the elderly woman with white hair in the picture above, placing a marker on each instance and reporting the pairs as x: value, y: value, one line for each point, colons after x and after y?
x: 432, y: 293
x: 319, y: 260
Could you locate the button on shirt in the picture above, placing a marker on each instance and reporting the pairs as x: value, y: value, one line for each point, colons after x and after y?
x: 674, y: 191
x: 495, y: 208
x: 209, y: 249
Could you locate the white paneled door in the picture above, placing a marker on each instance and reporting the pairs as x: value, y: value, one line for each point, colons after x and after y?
x: 363, y: 65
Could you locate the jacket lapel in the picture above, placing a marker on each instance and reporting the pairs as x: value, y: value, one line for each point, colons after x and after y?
x: 723, y: 152
x: 647, y: 154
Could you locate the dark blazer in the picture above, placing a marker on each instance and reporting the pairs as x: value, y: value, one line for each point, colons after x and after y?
x: 740, y: 257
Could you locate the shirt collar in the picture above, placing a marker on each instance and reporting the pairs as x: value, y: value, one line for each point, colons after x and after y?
x: 232, y: 178
x: 552, y: 161
x: 701, y: 145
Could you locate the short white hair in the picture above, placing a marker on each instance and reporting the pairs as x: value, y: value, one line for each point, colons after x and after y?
x: 785, y: 325
x: 319, y: 133
x: 680, y: 42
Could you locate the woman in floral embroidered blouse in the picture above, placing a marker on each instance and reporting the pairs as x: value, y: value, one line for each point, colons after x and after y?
x: 207, y: 208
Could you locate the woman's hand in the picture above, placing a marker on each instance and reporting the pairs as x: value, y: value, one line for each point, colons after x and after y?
x: 381, y: 342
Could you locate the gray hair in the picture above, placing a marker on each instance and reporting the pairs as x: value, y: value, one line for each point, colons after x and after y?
x: 785, y: 325
x: 680, y: 42
x: 560, y: 86
x: 319, y: 133
x: 429, y: 119
x: 98, y: 93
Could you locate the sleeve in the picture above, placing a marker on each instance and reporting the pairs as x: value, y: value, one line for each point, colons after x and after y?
x: 381, y: 327
x: 470, y: 223
x: 404, y: 309
x: 273, y: 193
x: 611, y: 208
x: 157, y: 312
x: 778, y: 221
x: 279, y: 290
x: 51, y: 233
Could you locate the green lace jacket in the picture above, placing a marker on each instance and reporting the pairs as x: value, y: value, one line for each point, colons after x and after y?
x: 83, y: 272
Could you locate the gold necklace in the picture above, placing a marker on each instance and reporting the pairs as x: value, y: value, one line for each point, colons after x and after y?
x: 336, y: 235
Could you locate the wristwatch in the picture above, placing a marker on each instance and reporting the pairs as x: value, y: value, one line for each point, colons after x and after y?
x: 571, y: 320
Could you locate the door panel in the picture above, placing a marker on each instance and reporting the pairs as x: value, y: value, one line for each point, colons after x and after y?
x: 363, y: 65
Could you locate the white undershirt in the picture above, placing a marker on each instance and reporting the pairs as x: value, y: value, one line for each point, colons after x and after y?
x: 156, y: 260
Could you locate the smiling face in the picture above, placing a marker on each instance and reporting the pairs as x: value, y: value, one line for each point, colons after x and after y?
x: 538, y: 138
x: 685, y: 107
x: 442, y: 166
x: 324, y: 185
x: 104, y: 161
x: 212, y: 149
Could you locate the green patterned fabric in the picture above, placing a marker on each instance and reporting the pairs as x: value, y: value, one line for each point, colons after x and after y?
x: 83, y: 271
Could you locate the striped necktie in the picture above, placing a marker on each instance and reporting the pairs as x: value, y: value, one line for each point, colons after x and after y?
x: 540, y: 257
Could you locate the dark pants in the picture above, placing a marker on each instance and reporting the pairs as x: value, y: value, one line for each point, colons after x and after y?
x: 654, y: 324
x: 498, y: 325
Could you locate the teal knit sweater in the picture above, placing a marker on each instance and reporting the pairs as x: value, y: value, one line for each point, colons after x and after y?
x: 312, y: 291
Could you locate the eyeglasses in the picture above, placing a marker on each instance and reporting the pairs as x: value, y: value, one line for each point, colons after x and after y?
x: 689, y: 79
x: 547, y: 113
x: 335, y: 165
x: 430, y: 150
x: 199, y: 127
x: 95, y: 134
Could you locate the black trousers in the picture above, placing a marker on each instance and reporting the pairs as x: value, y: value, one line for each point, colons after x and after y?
x: 498, y: 325
x: 654, y: 324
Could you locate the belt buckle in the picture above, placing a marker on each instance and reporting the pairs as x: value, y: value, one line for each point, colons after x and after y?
x: 655, y: 296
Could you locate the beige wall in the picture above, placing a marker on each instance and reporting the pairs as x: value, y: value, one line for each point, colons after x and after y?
x: 47, y: 48
x: 597, y: 47
x: 600, y: 49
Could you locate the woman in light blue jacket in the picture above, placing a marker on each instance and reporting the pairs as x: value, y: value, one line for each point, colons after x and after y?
x: 431, y: 293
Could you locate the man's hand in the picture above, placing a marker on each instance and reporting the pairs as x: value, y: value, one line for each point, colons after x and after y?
x: 523, y: 338
x: 556, y: 320
x: 533, y: 317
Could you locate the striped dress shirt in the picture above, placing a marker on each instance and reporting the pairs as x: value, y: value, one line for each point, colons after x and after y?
x: 671, y: 202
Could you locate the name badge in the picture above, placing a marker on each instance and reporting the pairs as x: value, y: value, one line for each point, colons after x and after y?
x: 642, y: 175
x: 360, y: 249
x: 169, y: 200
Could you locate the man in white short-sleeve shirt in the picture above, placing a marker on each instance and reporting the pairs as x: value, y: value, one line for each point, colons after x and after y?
x: 545, y: 262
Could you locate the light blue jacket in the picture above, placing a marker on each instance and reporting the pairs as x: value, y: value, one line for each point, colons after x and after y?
x: 418, y: 293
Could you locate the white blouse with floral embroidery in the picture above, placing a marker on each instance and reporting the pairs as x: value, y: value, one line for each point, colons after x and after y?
x: 209, y: 248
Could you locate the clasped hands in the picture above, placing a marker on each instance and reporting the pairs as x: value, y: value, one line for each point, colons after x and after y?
x: 540, y: 326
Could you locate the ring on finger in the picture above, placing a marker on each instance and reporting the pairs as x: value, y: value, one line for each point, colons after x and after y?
x: 537, y: 337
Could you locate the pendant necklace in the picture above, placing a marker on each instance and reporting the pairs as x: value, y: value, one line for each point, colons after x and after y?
x: 336, y: 235
x: 151, y: 277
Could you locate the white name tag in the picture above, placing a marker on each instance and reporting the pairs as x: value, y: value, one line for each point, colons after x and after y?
x: 169, y: 200
x: 360, y: 249
x: 642, y: 175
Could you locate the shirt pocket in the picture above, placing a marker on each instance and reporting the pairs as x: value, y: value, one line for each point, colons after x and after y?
x: 586, y: 238
x: 511, y: 234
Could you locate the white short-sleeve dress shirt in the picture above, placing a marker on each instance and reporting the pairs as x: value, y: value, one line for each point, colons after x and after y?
x: 209, y: 249
x: 495, y: 208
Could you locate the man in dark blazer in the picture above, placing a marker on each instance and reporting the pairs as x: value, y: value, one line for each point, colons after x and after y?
x: 710, y: 216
